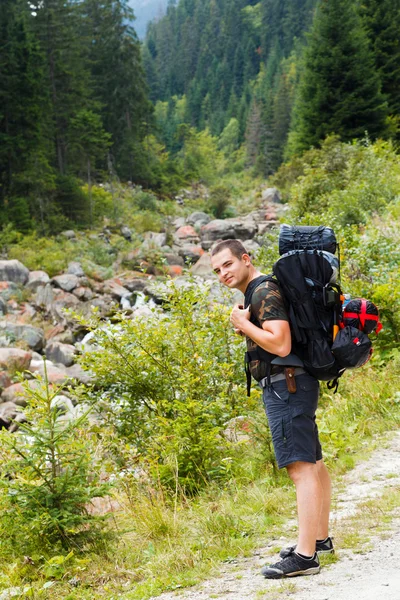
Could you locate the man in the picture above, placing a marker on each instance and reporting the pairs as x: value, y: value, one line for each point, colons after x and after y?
x: 291, y: 416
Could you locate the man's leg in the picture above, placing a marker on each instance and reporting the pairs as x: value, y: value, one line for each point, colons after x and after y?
x: 325, y: 480
x: 310, y: 504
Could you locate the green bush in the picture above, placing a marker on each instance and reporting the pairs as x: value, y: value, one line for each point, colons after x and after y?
x: 49, y: 475
x: 170, y: 382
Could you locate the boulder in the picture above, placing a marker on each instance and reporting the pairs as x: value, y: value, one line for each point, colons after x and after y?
x: 218, y: 229
x: 203, y: 266
x: 225, y: 229
x: 55, y: 374
x: 44, y: 297
x: 69, y: 234
x: 13, y: 270
x: 61, y: 353
x: 3, y: 307
x: 251, y: 246
x: 17, y: 393
x: 238, y: 429
x: 5, y: 380
x: 174, y: 259
x: 76, y: 372
x: 83, y: 293
x: 115, y: 288
x: 33, y: 336
x: 63, y: 300
x: 154, y: 239
x: 8, y: 289
x: 198, y: 219
x: 66, y: 282
x: 179, y: 222
x: 270, y: 195
x: 75, y: 268
x: 37, y: 279
x: 126, y: 233
x: 266, y: 226
x: 186, y: 235
x: 244, y: 229
x: 135, y: 285
x: 174, y: 270
x: 14, y: 359
x: 190, y: 253
x: 8, y: 413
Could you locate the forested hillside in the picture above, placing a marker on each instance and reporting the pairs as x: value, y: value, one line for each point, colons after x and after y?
x: 248, y: 69
x: 234, y: 88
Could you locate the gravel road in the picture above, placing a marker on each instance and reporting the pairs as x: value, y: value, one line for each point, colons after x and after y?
x: 371, y: 575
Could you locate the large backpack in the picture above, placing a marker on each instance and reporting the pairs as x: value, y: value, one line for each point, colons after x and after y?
x: 308, y: 275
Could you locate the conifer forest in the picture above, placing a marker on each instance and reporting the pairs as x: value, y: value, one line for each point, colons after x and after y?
x: 83, y: 101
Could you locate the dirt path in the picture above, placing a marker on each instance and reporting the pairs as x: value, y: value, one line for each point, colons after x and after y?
x: 371, y: 575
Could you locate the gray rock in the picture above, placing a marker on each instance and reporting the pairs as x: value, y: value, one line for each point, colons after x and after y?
x: 55, y: 374
x: 115, y: 288
x: 37, y: 279
x: 126, y: 233
x: 66, y: 282
x: 179, y: 222
x: 8, y: 289
x: 83, y: 293
x: 225, y: 229
x: 76, y: 372
x: 135, y: 285
x: 154, y: 239
x: 270, y: 195
x: 15, y: 358
x: 75, y: 268
x: 69, y: 234
x: 13, y: 270
x: 62, y: 301
x: 8, y: 413
x: 44, y: 297
x: 61, y: 353
x: 174, y: 259
x: 190, y: 253
x: 251, y: 246
x: 33, y: 336
x: 3, y: 307
x: 17, y: 392
x: 198, y: 218
x: 186, y: 235
x: 203, y: 266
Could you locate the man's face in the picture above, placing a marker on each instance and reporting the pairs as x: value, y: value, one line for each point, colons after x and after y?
x: 232, y: 271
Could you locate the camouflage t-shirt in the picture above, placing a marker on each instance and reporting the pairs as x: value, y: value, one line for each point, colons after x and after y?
x: 266, y: 305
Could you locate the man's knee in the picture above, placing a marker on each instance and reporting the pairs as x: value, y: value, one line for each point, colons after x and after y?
x: 299, y: 471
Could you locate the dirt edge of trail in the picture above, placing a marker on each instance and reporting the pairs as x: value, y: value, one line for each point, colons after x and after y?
x: 371, y: 572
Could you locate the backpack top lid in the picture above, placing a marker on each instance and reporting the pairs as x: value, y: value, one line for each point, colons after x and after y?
x: 362, y: 314
x: 306, y: 238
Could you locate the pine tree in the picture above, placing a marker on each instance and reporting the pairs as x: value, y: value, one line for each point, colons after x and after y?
x: 382, y: 18
x: 118, y: 80
x: 340, y: 88
x: 23, y: 104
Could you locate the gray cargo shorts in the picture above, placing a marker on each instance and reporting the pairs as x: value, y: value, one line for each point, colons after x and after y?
x: 291, y: 418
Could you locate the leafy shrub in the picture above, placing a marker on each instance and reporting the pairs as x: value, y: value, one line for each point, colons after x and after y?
x: 169, y: 382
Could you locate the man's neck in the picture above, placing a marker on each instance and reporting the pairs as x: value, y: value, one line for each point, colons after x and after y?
x: 252, y: 275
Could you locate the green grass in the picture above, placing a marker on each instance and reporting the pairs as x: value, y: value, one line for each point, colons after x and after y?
x: 168, y: 543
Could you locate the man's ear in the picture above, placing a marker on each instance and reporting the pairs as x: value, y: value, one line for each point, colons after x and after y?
x: 246, y: 259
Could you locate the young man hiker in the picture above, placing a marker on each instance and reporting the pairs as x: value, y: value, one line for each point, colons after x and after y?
x: 291, y: 414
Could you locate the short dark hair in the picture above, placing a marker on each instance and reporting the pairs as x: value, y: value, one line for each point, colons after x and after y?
x: 235, y: 246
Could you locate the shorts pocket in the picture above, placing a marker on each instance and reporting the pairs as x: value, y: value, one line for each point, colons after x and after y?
x: 282, y: 437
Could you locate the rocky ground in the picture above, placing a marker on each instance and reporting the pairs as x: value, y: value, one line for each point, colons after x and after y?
x: 371, y: 573
x: 34, y: 324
